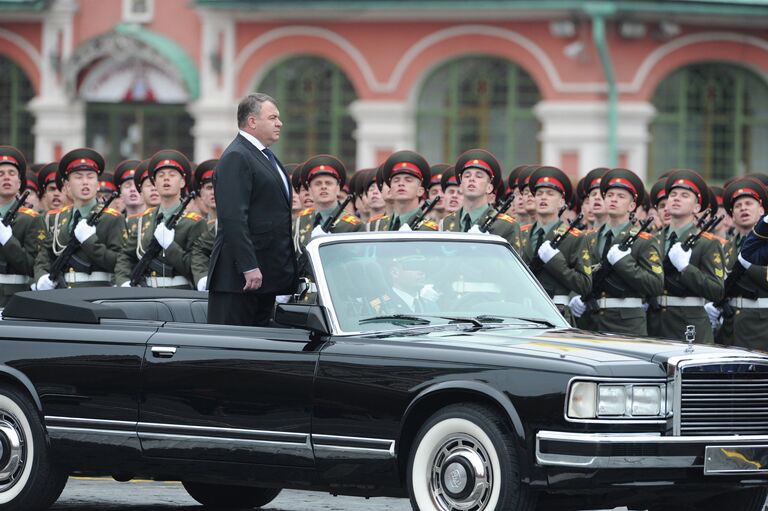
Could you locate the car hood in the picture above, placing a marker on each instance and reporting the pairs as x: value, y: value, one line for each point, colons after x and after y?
x: 588, y: 347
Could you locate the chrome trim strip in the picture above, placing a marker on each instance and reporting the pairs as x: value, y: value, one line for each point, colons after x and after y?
x: 55, y: 418
x: 255, y: 432
x: 564, y: 459
x: 379, y: 446
x: 218, y: 439
x: 92, y: 430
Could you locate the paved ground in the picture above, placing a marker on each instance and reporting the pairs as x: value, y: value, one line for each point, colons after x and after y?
x: 108, y: 495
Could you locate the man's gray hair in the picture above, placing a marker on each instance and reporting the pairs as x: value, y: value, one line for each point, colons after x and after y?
x: 251, y: 105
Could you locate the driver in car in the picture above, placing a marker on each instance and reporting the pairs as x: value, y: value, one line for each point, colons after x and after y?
x: 409, y: 291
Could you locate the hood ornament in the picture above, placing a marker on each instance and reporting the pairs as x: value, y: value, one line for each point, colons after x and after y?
x: 690, y: 337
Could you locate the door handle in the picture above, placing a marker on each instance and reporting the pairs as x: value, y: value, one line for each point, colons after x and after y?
x: 163, y: 351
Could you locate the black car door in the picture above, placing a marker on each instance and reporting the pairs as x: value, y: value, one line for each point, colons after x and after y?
x: 228, y: 393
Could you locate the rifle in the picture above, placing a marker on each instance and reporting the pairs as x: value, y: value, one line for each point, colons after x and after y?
x: 704, y: 217
x: 537, y: 264
x: 56, y: 273
x: 328, y: 224
x: 426, y: 208
x: 10, y: 215
x: 606, y: 269
x: 154, y: 248
x: 500, y: 210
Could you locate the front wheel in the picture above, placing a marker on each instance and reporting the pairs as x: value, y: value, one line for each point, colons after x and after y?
x: 232, y: 497
x: 464, y: 458
x: 28, y: 478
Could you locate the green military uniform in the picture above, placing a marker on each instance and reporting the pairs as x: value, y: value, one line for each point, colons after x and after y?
x: 394, y: 222
x: 46, y: 176
x: 701, y: 281
x: 173, y: 266
x: 93, y: 263
x: 504, y: 225
x: 632, y: 278
x: 745, y: 319
x: 566, y: 273
x: 616, y: 304
x: 201, y: 252
x: 376, y: 223
x: 310, y: 218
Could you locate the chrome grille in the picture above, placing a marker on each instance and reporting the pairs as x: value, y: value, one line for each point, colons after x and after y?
x: 724, y: 399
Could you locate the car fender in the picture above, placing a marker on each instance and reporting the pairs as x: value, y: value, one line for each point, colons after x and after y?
x: 473, y: 387
x: 15, y: 376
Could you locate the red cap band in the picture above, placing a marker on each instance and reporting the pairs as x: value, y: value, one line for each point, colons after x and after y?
x: 746, y: 192
x: 435, y: 180
x: 550, y: 182
x: 144, y: 175
x: 108, y: 185
x: 662, y: 193
x: 82, y: 164
x: 323, y: 169
x: 207, y: 176
x: 169, y: 163
x: 406, y: 167
x: 620, y: 182
x: 719, y: 200
x: 595, y: 183
x: 479, y: 164
x: 33, y: 185
x: 50, y: 178
x: 9, y: 159
x: 452, y: 181
x: 688, y: 185
x: 128, y: 174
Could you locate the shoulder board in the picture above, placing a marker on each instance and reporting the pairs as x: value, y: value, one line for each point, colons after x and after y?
x: 28, y: 211
x: 350, y: 219
x: 113, y: 212
x: 136, y: 215
x: 646, y: 235
x: 193, y: 216
x: 307, y: 211
x: 506, y: 218
x: 377, y: 217
x: 708, y: 235
x: 431, y: 224
x: 576, y: 232
x: 526, y: 227
x: 149, y: 211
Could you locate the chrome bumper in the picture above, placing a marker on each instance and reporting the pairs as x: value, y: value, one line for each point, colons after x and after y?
x: 716, y: 455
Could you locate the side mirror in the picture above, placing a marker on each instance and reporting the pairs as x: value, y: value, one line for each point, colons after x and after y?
x: 308, y: 317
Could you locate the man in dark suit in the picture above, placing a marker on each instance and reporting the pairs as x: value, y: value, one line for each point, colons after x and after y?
x: 252, y: 258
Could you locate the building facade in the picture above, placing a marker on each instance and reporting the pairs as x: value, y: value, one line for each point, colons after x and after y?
x: 647, y: 85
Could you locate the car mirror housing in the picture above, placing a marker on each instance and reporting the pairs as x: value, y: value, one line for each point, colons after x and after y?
x: 308, y: 317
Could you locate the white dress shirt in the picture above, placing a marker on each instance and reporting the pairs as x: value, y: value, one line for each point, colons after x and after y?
x: 256, y: 142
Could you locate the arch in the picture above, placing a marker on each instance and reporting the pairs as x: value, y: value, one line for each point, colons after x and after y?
x: 744, y: 50
x: 490, y: 94
x: 23, y: 54
x: 16, y: 121
x: 263, y: 52
x: 711, y: 116
x: 317, y: 117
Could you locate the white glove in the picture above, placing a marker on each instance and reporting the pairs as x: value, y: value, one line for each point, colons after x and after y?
x: 428, y: 292
x: 765, y: 219
x: 405, y: 228
x: 44, y: 283
x: 746, y: 264
x: 615, y: 254
x: 680, y: 258
x: 5, y: 233
x: 475, y: 229
x: 83, y: 231
x: 578, y: 308
x: 547, y: 252
x: 202, y: 284
x: 127, y: 283
x: 280, y: 298
x: 317, y: 231
x: 164, y: 235
x: 715, y: 318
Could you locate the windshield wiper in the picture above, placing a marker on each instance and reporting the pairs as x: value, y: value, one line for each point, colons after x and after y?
x: 486, y: 318
x: 462, y: 319
x: 394, y: 318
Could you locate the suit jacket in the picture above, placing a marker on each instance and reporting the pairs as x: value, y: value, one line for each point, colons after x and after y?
x: 254, y: 229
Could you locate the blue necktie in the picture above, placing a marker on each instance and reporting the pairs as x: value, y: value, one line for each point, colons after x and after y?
x: 272, y: 158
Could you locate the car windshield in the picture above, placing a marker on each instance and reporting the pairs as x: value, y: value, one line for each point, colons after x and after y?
x: 388, y: 285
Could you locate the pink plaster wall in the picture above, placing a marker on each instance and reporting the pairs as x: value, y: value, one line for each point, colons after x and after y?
x: 32, y: 33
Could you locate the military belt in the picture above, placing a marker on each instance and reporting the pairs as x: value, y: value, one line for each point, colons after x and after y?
x: 74, y: 277
x: 14, y: 279
x: 620, y: 303
x: 168, y: 281
x: 561, y: 299
x: 745, y: 303
x: 681, y: 301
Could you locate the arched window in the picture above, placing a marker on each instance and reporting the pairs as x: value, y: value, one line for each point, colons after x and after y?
x: 713, y: 118
x: 15, y: 120
x: 313, y: 96
x: 479, y: 102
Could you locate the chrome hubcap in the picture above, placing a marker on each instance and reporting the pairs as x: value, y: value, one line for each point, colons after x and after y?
x: 12, y: 451
x: 461, y: 478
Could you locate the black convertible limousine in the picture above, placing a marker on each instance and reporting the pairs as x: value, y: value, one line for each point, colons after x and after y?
x: 423, y: 365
